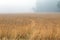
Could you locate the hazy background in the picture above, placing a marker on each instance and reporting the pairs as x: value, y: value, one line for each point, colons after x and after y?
x: 16, y: 6
x: 47, y: 6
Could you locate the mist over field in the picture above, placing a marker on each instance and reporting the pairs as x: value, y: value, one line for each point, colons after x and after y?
x: 48, y: 5
x: 41, y: 23
x: 17, y: 6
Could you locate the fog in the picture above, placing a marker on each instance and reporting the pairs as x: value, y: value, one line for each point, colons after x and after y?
x: 17, y: 6
x: 48, y: 6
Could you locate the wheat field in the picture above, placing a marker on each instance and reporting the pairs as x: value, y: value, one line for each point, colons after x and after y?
x: 30, y: 27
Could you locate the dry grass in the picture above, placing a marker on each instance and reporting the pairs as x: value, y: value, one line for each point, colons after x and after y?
x: 30, y: 27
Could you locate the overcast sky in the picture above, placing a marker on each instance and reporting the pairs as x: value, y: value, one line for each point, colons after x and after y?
x: 7, y: 6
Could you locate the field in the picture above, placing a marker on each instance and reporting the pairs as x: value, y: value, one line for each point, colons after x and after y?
x: 30, y: 27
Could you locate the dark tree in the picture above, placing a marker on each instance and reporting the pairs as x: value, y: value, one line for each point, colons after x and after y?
x: 58, y: 4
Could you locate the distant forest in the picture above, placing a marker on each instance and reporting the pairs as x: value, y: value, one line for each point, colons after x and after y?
x: 47, y: 6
